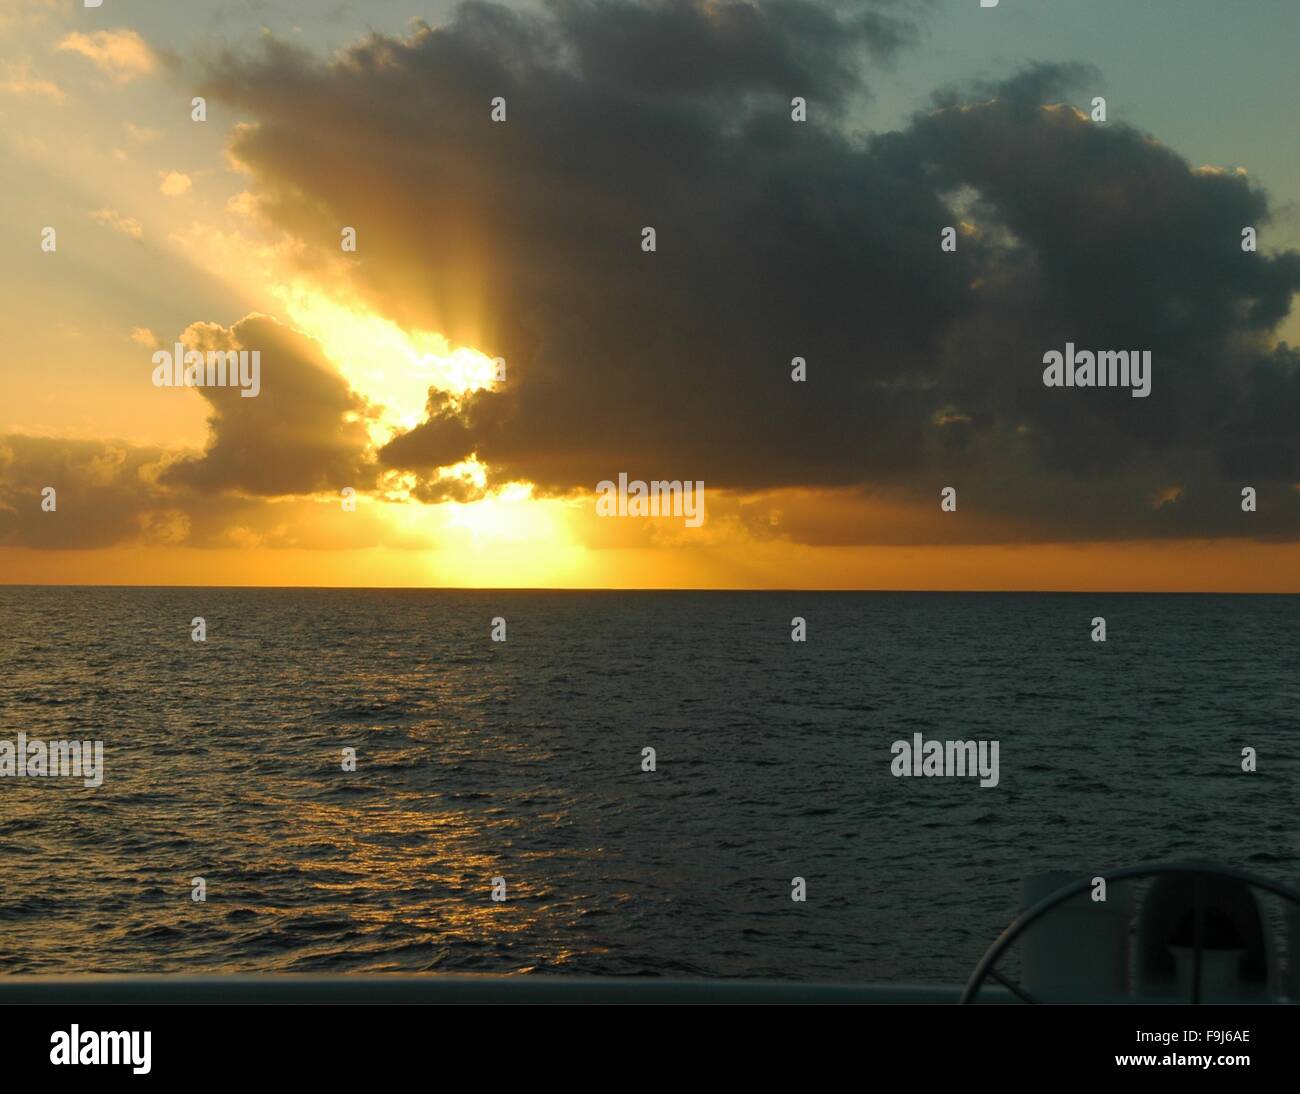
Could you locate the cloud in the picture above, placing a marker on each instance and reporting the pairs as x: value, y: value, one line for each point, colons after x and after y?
x: 243, y: 204
x: 17, y: 79
x: 174, y: 183
x: 304, y: 434
x: 28, y: 15
x: 684, y: 49
x: 120, y: 54
x: 101, y: 488
x: 305, y: 431
x: 142, y: 134
x: 270, y: 474
x: 111, y: 218
x: 111, y: 493
x: 777, y: 240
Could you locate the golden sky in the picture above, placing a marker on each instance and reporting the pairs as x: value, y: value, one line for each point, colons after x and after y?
x: 522, y: 240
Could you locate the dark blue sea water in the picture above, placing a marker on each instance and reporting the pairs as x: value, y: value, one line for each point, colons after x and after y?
x: 522, y: 760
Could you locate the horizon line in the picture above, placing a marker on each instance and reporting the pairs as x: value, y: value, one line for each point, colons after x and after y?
x: 654, y: 589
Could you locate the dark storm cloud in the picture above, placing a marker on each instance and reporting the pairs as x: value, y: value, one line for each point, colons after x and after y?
x: 778, y: 239
x: 1118, y: 243
x: 303, y: 433
x: 681, y: 47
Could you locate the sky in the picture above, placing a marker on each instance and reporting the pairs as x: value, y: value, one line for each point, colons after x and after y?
x: 521, y: 241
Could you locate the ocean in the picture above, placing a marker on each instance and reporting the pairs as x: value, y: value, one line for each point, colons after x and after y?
x: 523, y: 760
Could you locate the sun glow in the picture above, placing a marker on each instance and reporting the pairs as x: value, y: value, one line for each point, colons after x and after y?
x: 508, y: 538
x: 390, y: 367
x: 505, y: 537
x: 509, y: 514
